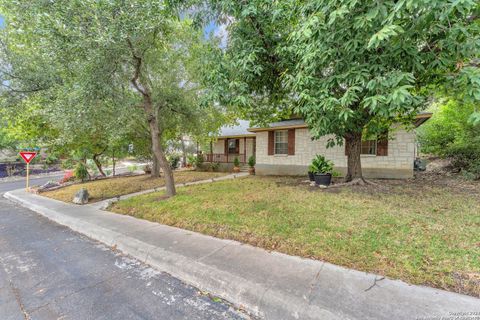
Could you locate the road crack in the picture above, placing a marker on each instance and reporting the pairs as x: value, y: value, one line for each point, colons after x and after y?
x: 374, y: 283
x: 16, y: 293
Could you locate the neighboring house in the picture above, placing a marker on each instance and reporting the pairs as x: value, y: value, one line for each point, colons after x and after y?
x: 286, y: 148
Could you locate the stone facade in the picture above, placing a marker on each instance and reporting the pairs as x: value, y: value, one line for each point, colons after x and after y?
x: 397, y: 164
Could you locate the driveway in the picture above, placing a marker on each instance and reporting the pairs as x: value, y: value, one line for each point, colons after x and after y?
x: 49, y: 272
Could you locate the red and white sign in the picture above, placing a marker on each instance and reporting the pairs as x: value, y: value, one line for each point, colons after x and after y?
x: 28, y: 156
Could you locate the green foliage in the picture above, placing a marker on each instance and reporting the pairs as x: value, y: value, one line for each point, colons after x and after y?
x: 70, y: 71
x: 473, y: 171
x: 321, y: 165
x: 174, y: 160
x: 348, y: 67
x: 215, y: 166
x: 191, y: 159
x: 132, y: 168
x: 68, y: 163
x: 451, y: 134
x: 236, y: 162
x: 198, y: 161
x: 81, y: 172
x: 336, y: 174
x: 51, y: 159
x: 251, y: 161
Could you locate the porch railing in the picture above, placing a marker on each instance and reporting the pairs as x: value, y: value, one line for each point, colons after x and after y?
x: 224, y: 158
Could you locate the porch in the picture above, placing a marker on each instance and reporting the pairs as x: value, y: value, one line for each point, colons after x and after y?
x: 224, y: 158
x: 226, y: 149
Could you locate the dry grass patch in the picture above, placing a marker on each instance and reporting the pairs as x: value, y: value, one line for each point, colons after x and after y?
x: 113, y: 187
x: 427, y: 235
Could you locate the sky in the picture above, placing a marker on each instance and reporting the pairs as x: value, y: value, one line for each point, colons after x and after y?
x: 219, y: 31
x: 211, y: 28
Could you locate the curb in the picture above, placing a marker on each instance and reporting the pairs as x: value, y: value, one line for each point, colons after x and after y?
x: 269, y: 285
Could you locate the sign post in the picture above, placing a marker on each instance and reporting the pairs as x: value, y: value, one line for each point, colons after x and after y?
x: 28, y: 157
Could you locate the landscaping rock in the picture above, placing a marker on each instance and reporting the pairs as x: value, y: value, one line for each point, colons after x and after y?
x: 49, y: 185
x: 81, y: 197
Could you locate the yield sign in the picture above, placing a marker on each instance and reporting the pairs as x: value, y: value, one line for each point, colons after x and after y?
x: 28, y: 156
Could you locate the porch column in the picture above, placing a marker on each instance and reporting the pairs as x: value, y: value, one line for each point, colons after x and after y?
x: 211, y: 151
x: 244, y: 149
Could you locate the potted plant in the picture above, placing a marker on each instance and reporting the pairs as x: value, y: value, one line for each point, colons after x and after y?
x: 251, y: 164
x: 236, y: 165
x: 322, y: 169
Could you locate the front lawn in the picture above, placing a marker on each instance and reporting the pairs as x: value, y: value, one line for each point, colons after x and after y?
x: 117, y: 186
x: 421, y: 234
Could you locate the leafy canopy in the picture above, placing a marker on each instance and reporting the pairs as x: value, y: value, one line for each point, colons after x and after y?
x: 347, y: 65
x: 75, y: 59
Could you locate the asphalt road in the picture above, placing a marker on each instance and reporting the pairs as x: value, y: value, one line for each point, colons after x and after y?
x: 12, y: 185
x: 47, y: 271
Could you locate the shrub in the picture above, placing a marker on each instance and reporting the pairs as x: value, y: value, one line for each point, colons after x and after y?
x: 132, y: 168
x: 215, y: 166
x: 236, y: 162
x: 81, y: 171
x: 451, y: 134
x: 321, y: 165
x: 68, y: 176
x: 251, y: 161
x: 465, y: 158
x: 51, y: 159
x: 174, y: 160
x: 473, y: 171
x: 198, y: 161
x: 68, y: 164
x: 191, y: 159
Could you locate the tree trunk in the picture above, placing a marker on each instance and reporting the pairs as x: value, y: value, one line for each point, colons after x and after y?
x: 353, y: 146
x: 155, y: 167
x: 184, y: 153
x: 152, y: 118
x: 98, y: 164
x: 159, y: 154
x: 157, y: 149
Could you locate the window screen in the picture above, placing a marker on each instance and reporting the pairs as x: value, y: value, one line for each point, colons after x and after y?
x: 281, y: 142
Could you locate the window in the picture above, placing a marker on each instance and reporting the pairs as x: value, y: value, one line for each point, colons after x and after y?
x: 369, y: 147
x: 281, y: 142
x: 232, y: 146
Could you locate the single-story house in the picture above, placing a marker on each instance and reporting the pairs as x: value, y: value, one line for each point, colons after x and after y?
x: 286, y: 148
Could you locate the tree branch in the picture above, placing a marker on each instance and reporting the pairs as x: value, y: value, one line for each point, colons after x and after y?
x: 137, y: 66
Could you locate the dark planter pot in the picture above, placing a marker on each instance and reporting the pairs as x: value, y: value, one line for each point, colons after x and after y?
x: 323, y: 179
x: 311, y: 176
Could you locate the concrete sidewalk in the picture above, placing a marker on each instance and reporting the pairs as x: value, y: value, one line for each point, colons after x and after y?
x: 267, y: 284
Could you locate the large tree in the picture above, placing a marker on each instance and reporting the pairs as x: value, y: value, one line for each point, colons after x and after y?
x: 137, y: 53
x: 350, y: 68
